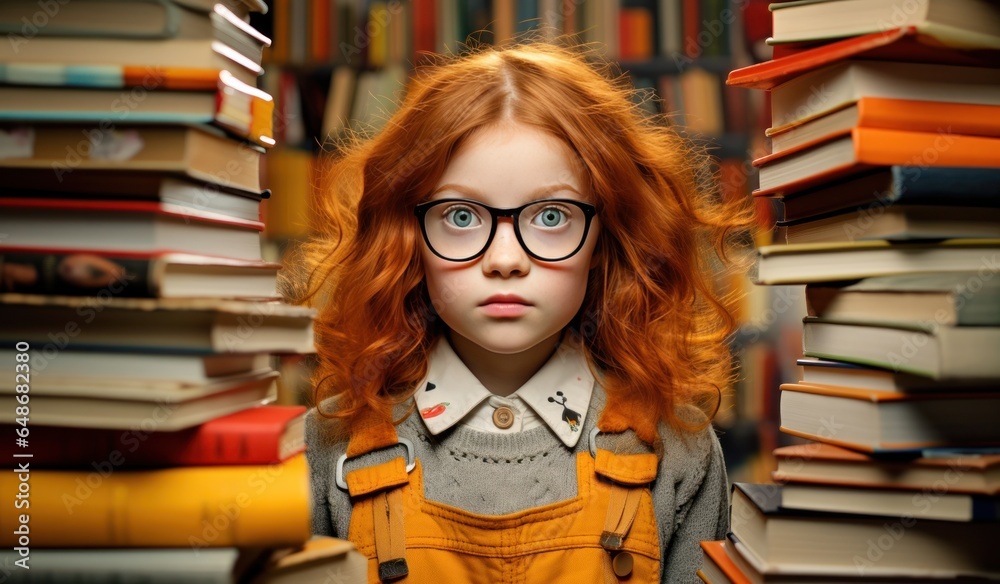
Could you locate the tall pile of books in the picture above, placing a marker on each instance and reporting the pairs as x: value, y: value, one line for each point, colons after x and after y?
x: 139, y: 316
x: 886, y: 163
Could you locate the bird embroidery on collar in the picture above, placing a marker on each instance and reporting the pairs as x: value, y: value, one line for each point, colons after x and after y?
x: 569, y: 416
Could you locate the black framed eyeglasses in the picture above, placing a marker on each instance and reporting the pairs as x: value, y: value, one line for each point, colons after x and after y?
x: 549, y: 230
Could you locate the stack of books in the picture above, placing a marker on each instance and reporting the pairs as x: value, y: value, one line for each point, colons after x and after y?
x: 139, y: 314
x: 886, y: 163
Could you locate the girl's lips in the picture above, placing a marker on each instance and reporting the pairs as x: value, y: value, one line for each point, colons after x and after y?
x: 505, y: 309
x: 505, y: 299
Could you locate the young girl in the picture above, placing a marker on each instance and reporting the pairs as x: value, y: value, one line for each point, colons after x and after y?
x: 520, y: 344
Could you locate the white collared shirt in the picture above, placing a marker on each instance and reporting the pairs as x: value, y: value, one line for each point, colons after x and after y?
x: 557, y: 395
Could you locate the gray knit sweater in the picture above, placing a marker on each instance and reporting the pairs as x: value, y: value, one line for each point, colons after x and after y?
x: 478, y: 471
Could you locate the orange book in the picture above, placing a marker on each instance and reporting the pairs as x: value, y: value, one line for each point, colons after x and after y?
x: 280, y: 49
x: 900, y: 44
x: 719, y: 565
x: 890, y: 114
x: 319, y: 39
x: 641, y: 31
x: 861, y: 149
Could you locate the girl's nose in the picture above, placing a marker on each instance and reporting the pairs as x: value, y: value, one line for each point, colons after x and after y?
x: 505, y: 257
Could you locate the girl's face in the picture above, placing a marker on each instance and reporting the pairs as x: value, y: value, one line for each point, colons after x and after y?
x: 506, y: 301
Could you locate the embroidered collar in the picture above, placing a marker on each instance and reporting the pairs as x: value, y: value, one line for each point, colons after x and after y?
x: 559, y: 393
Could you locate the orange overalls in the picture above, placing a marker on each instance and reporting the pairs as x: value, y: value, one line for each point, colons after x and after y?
x: 608, y: 532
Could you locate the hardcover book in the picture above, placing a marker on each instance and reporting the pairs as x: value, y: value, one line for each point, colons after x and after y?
x: 168, y: 325
x: 131, y: 405
x: 245, y: 506
x: 935, y: 351
x: 962, y: 470
x: 905, y: 44
x: 965, y: 22
x: 772, y: 538
x: 863, y: 149
x: 807, y: 263
x: 266, y: 434
x: 896, y: 185
x: 52, y: 93
x: 874, y: 421
x: 45, y: 152
x: 114, y: 226
x: 140, y: 274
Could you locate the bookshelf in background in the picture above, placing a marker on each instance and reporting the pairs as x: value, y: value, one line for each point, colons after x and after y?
x: 339, y: 63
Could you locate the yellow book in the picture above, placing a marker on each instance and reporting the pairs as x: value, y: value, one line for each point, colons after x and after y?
x: 378, y: 23
x: 196, y: 507
x: 290, y: 178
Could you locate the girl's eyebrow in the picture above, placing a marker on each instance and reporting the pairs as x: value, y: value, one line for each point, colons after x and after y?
x: 534, y: 195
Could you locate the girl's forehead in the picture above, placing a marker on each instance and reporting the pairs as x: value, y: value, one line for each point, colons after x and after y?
x: 512, y: 165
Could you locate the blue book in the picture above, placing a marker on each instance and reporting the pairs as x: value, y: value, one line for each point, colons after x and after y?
x: 898, y: 185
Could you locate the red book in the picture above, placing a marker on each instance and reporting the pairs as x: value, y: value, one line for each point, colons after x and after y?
x: 692, y: 26
x: 900, y: 44
x: 261, y: 435
x: 424, y: 33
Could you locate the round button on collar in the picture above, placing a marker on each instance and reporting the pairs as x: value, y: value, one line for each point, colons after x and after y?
x: 503, y: 417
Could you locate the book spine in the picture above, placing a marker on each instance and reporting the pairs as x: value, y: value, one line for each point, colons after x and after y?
x: 912, y: 184
x: 170, y: 18
x: 424, y: 33
x: 244, y: 438
x: 246, y: 506
x: 130, y: 449
x: 78, y: 274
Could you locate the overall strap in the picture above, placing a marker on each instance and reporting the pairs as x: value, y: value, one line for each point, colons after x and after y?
x: 629, y: 475
x: 383, y: 482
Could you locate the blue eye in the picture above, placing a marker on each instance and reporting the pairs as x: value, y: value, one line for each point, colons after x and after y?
x: 461, y: 217
x: 551, y: 217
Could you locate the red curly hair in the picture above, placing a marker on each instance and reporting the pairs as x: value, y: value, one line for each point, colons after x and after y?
x: 651, y: 321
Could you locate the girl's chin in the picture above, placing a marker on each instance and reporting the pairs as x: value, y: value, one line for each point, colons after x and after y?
x: 509, y: 342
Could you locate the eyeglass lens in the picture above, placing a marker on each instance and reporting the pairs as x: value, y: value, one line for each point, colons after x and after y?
x: 549, y: 229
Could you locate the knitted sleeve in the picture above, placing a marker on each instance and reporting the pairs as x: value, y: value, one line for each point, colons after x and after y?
x: 321, y: 468
x: 700, y: 506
